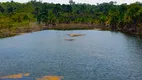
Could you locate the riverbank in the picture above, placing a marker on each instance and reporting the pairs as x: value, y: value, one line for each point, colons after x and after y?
x: 33, y: 27
x: 76, y: 26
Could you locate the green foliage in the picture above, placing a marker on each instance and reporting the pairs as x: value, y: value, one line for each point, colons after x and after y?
x: 122, y: 17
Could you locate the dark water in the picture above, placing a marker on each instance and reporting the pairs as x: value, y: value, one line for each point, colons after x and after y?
x: 99, y: 55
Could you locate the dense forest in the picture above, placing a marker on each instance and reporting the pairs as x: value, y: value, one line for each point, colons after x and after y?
x: 25, y: 17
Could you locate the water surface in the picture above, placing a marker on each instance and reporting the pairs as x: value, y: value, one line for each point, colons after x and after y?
x: 98, y: 55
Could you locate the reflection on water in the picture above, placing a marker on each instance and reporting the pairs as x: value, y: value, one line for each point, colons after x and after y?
x: 26, y: 76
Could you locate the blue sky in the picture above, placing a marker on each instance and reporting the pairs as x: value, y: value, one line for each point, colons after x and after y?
x: 78, y: 1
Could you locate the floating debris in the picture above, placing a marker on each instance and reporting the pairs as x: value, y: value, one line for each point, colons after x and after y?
x: 75, y: 35
x: 50, y: 78
x: 23, y: 76
x: 16, y: 76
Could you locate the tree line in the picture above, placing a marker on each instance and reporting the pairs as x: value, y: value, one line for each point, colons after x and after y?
x: 123, y: 17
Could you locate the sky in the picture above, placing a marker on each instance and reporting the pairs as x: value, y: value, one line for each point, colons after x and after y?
x: 78, y: 1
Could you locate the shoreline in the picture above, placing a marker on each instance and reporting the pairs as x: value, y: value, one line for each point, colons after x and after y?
x: 71, y: 26
x: 36, y: 27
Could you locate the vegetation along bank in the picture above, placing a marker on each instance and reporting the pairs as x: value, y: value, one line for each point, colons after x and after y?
x: 16, y: 18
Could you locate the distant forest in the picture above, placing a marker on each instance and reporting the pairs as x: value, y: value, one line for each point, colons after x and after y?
x: 124, y: 17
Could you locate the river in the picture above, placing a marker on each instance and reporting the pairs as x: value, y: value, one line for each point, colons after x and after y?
x: 98, y: 55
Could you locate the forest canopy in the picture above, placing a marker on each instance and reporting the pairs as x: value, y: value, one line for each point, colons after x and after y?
x: 122, y: 17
